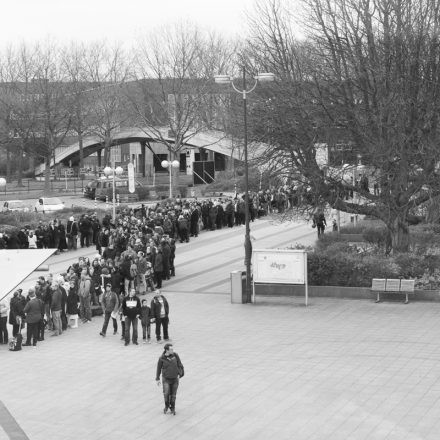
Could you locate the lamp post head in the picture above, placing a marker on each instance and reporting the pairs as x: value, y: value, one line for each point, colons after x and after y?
x: 2, y: 182
x: 165, y: 164
x: 265, y: 77
x: 119, y: 170
x: 222, y: 79
x: 108, y: 171
x: 175, y: 164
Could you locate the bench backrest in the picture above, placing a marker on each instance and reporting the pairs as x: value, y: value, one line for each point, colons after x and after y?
x: 392, y: 285
x: 378, y: 284
x: 407, y: 285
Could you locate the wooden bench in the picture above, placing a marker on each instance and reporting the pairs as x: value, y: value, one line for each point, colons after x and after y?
x: 392, y: 285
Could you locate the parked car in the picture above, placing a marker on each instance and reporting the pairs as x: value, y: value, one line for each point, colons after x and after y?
x: 102, y: 188
x: 15, y: 205
x: 46, y: 204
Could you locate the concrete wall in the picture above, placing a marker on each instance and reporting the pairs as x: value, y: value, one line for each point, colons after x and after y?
x: 341, y: 292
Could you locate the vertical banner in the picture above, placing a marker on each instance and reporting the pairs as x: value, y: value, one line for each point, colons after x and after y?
x: 130, y: 169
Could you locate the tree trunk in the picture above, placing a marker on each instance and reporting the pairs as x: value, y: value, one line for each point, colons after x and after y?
x: 81, y: 151
x: 399, y: 233
x: 47, y: 174
x: 8, y: 165
x: 20, y: 166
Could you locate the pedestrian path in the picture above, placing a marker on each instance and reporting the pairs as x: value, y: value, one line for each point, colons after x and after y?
x: 337, y: 369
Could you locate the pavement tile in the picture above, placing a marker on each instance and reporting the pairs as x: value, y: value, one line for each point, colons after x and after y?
x: 339, y: 369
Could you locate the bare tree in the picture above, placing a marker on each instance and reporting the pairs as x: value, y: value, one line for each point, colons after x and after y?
x: 54, y: 119
x: 172, y: 96
x: 80, y: 91
x: 19, y: 101
x: 368, y: 77
x: 107, y: 72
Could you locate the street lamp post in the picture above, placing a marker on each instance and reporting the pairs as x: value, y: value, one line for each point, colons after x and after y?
x: 170, y: 165
x: 113, y: 171
x: 226, y: 79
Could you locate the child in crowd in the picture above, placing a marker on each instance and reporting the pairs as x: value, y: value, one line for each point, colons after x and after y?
x: 146, y: 318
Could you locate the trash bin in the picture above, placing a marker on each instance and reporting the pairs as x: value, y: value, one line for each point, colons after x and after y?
x: 238, y: 287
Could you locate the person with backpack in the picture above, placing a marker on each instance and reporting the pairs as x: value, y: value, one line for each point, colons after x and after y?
x: 171, y: 368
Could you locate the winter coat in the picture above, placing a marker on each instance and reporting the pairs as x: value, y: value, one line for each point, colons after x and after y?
x: 131, y: 306
x: 146, y: 315
x: 72, y: 228
x: 110, y: 302
x: 72, y: 302
x: 170, y: 366
x: 84, y: 286
x: 158, y: 262
x: 155, y: 307
x: 33, y: 310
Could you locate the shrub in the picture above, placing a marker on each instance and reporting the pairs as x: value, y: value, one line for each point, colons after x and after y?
x: 353, y: 229
x: 377, y: 236
x: 338, y: 268
x: 429, y: 280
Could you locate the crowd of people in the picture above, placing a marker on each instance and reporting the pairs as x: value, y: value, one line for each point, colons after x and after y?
x: 132, y: 261
x: 179, y: 219
x: 135, y: 254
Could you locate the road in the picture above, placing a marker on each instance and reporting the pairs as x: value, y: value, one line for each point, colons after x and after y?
x: 205, y: 263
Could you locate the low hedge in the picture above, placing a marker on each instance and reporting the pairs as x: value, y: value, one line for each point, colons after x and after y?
x: 338, y: 268
x: 336, y: 263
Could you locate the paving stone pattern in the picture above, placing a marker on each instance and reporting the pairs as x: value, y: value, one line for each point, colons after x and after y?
x: 338, y: 369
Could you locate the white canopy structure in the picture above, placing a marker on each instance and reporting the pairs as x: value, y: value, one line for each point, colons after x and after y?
x: 17, y: 264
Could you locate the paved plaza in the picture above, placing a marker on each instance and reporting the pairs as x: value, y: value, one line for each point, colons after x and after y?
x: 338, y: 369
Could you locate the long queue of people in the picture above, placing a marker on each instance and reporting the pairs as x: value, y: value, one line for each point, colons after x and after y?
x: 179, y: 219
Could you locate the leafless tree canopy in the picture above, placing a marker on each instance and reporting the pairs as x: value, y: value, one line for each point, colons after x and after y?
x: 366, y: 76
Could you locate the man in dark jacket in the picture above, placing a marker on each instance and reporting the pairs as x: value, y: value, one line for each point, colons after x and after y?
x: 16, y: 313
x: 34, y: 311
x: 171, y: 368
x: 131, y: 310
x: 194, y: 221
x: 84, y: 226
x: 72, y: 233
x: 160, y: 310
x: 96, y: 227
x: 166, y: 254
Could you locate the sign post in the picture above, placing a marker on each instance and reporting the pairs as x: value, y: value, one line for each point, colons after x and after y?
x: 280, y: 266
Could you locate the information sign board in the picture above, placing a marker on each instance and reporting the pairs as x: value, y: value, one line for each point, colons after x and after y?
x: 279, y: 266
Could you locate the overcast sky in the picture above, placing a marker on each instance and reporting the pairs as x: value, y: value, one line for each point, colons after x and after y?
x: 114, y: 20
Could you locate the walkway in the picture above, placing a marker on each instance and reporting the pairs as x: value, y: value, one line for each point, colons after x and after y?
x: 276, y: 370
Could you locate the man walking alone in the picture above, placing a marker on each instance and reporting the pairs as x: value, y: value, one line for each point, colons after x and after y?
x: 171, y: 368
